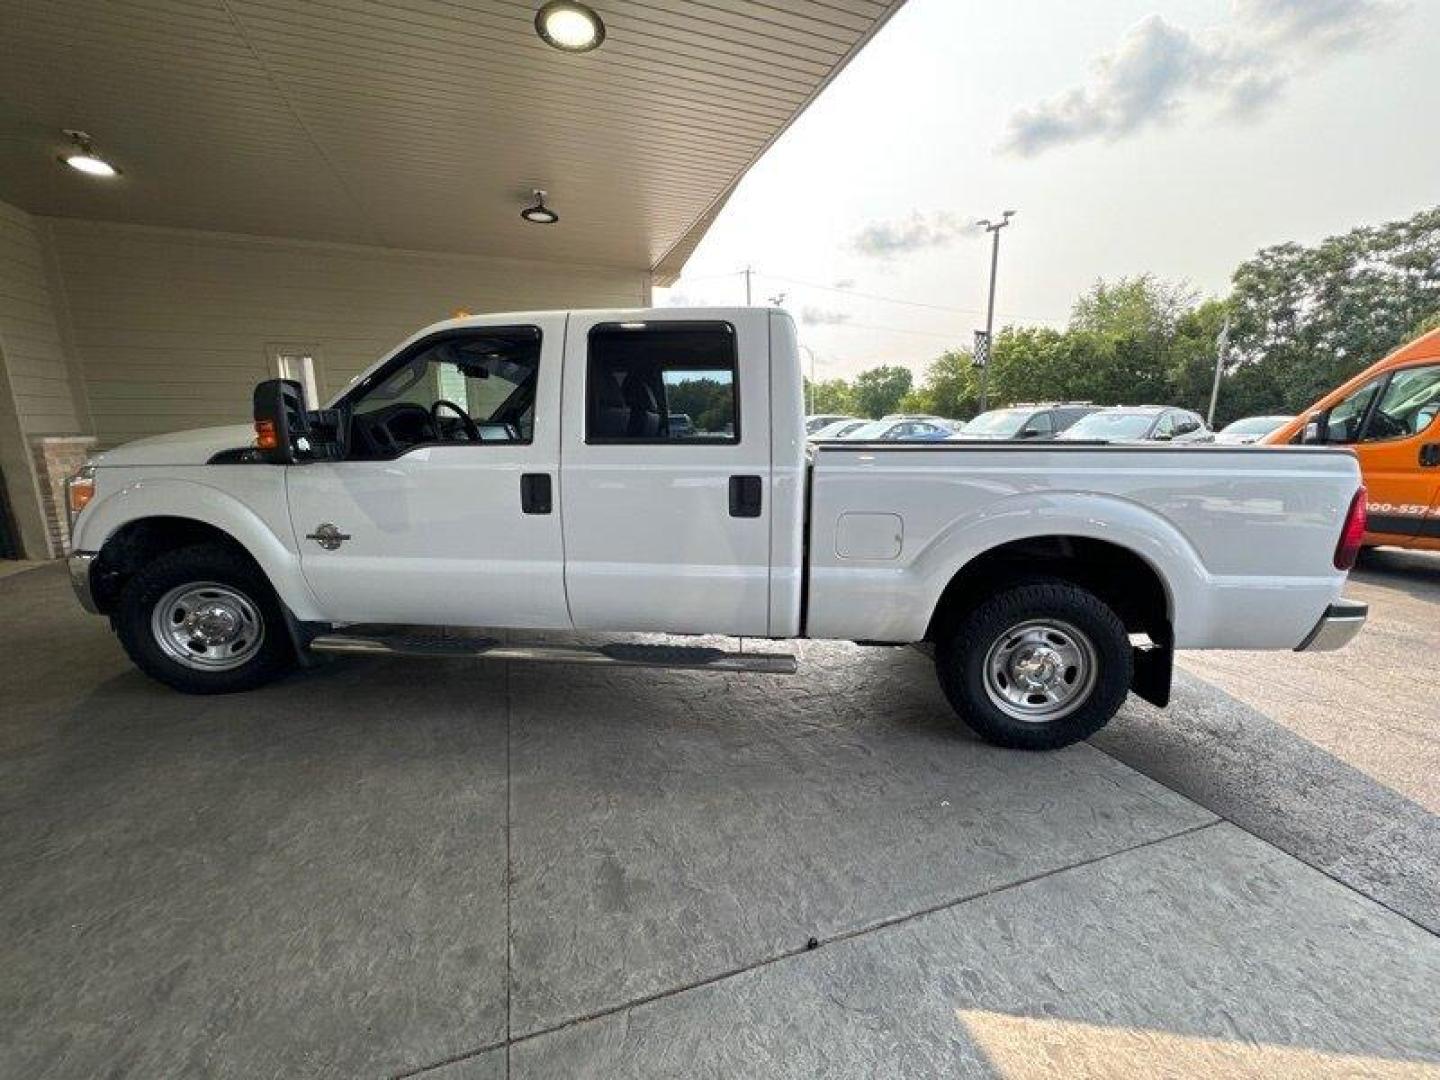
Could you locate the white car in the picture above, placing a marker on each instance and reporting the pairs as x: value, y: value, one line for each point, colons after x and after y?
x: 838, y: 430
x: 523, y: 471
x: 820, y: 420
x: 1250, y: 430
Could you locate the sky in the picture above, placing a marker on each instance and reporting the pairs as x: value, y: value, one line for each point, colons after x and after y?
x: 1130, y: 136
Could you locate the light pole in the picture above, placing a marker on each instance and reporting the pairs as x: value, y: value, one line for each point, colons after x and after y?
x: 1222, y: 346
x: 810, y: 397
x: 993, y: 228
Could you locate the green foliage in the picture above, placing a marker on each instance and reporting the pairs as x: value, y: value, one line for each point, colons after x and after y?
x: 830, y: 396
x: 881, y: 389
x: 1303, y: 320
x: 710, y: 404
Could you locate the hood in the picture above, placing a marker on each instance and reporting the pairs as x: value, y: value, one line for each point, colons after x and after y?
x: 194, y: 447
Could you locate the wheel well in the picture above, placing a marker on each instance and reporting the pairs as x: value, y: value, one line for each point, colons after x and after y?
x: 137, y: 543
x: 1121, y: 578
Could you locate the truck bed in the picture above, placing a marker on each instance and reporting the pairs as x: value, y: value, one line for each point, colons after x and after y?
x: 1242, y: 538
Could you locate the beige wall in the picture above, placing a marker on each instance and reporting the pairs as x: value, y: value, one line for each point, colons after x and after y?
x: 36, y: 396
x: 123, y: 331
x: 170, y: 328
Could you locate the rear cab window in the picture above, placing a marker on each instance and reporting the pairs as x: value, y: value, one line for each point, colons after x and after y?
x: 672, y: 382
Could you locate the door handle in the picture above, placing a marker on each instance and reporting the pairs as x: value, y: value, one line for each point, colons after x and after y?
x: 746, y: 493
x: 1430, y: 455
x: 535, y: 493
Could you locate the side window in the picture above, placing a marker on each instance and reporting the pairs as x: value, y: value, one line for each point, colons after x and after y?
x: 1346, y: 417
x: 1185, y: 423
x: 489, y: 375
x: 1040, y: 424
x: 1166, y: 427
x: 1407, y: 407
x: 673, y: 382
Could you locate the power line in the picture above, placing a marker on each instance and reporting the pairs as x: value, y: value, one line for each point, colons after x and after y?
x: 906, y: 303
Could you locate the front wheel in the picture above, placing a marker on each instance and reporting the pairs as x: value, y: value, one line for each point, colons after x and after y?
x: 204, y: 620
x: 1038, y: 666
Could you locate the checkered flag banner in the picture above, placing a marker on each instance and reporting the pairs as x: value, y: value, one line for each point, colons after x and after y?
x: 982, y: 349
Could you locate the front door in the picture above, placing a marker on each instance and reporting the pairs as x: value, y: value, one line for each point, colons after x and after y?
x: 1399, y: 451
x: 666, y: 492
x: 445, y: 511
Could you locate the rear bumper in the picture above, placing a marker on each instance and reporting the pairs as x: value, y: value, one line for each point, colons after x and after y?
x: 80, y: 563
x: 1341, y: 622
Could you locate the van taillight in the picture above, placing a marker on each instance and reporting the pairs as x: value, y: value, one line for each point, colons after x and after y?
x: 1354, y: 532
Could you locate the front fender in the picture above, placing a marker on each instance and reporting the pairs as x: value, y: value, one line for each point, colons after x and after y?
x: 256, y: 517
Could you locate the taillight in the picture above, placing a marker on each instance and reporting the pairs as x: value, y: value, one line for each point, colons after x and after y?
x: 1354, y: 532
x: 266, y: 437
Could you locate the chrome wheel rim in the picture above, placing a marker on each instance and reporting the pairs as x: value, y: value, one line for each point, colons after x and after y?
x: 1040, y: 670
x: 207, y: 626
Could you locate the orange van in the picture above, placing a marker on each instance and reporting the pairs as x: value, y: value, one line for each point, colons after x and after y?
x: 1387, y: 414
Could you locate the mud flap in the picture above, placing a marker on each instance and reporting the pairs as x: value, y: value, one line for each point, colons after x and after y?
x: 1154, y: 665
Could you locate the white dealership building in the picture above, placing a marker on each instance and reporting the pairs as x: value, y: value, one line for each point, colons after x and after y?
x: 195, y: 196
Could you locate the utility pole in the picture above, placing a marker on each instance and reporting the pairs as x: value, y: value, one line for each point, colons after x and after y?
x: 810, y: 397
x: 747, y: 286
x: 1222, y: 346
x: 993, y: 228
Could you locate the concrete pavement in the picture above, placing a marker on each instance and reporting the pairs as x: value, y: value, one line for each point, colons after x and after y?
x: 468, y: 870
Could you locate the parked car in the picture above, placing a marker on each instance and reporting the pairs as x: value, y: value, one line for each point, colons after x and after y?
x: 1140, y: 423
x: 900, y: 431
x: 430, y: 493
x: 1387, y: 415
x: 681, y: 426
x: 1249, y: 430
x: 1025, y: 421
x: 820, y: 420
x: 837, y: 430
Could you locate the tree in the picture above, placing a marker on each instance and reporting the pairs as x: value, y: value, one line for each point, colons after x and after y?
x: 950, y: 387
x: 879, y: 390
x: 830, y: 396
x: 1311, y: 317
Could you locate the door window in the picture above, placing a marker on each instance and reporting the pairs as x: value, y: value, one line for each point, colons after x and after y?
x: 1343, y: 425
x: 489, y: 374
x: 1165, y: 429
x: 1407, y: 407
x: 662, y: 383
x: 1039, y: 424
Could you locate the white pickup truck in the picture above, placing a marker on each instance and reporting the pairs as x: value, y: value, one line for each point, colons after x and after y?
x: 623, y: 471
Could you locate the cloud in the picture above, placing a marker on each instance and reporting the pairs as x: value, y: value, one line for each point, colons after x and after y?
x: 815, y: 316
x: 1159, y: 69
x: 900, y: 236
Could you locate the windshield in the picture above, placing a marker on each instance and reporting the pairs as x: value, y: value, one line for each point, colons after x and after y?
x: 1255, y: 425
x: 873, y: 430
x: 1110, y: 425
x: 997, y: 422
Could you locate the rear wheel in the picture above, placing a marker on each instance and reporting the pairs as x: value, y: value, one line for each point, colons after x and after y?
x: 204, y: 620
x: 1038, y: 666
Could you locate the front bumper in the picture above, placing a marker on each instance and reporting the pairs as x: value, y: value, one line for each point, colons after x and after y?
x: 80, y: 563
x: 1341, y: 622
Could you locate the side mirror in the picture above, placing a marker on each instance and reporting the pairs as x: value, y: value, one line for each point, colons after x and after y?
x: 1028, y: 433
x: 1163, y: 436
x: 1317, y: 428
x: 286, y: 433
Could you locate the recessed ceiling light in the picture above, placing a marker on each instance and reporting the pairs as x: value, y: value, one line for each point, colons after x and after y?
x: 83, y: 157
x: 539, y: 213
x: 569, y: 27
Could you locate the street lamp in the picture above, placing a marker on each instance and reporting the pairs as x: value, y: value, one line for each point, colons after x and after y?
x: 993, y: 228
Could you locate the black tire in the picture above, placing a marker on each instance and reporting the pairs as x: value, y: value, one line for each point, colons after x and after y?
x: 224, y: 566
x: 965, y: 646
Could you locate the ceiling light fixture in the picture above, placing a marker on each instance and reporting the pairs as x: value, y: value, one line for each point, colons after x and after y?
x: 539, y: 213
x: 83, y: 157
x: 569, y: 27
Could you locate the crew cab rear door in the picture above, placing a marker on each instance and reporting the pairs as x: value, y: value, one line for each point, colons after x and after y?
x: 665, y: 472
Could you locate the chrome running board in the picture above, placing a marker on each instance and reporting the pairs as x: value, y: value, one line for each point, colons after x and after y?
x: 621, y: 654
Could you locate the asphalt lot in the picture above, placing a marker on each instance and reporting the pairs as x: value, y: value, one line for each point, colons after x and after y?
x: 387, y: 867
